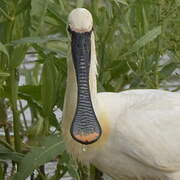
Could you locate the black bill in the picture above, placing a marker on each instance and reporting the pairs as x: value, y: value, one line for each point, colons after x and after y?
x: 85, y: 127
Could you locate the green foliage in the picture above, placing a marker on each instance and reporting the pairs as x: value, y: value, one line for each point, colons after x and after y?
x: 37, y: 14
x: 50, y: 147
x: 4, y: 50
x: 142, y: 41
x: 138, y: 46
x: 8, y: 154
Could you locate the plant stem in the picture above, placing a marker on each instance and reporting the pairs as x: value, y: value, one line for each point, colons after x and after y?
x: 16, y: 121
x: 1, y: 172
x: 3, y: 119
x: 5, y: 14
x: 23, y: 115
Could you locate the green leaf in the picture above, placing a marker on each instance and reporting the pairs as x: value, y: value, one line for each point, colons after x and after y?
x: 37, y: 39
x: 51, y: 147
x: 32, y: 91
x: 109, y: 8
x: 38, y: 12
x: 118, y: 68
x: 73, y: 171
x: 59, y: 18
x: 37, y: 128
x: 148, y: 37
x: 17, y: 55
x: 57, y: 47
x: 167, y: 70
x: 7, y: 154
x: 3, y: 49
x: 49, y: 76
x: 178, y: 2
x: 4, y: 74
x: 122, y: 2
x: 23, y: 6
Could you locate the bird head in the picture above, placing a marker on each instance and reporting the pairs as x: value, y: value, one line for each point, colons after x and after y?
x: 80, y: 20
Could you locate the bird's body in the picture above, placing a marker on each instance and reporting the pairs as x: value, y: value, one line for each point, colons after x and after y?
x: 140, y: 129
x: 144, y: 134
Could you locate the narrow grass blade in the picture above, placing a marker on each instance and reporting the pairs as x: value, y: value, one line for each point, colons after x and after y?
x: 4, y: 74
x: 3, y: 49
x: 148, y: 37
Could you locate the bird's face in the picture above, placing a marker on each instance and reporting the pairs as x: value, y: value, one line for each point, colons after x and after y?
x: 85, y: 127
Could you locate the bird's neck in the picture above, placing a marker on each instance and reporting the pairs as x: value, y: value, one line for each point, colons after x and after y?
x: 72, y: 90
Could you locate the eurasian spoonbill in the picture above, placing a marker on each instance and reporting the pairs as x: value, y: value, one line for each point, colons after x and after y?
x: 133, y: 134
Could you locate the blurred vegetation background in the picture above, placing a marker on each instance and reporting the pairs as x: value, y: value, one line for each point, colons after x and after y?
x: 138, y: 46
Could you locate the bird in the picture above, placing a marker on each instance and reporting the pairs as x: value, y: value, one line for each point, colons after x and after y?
x: 129, y: 135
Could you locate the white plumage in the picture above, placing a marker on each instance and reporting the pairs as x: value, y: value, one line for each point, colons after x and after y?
x: 140, y: 128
